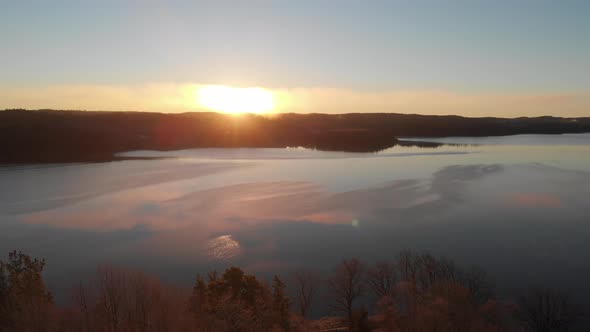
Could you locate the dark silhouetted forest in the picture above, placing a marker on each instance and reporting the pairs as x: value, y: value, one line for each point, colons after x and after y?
x: 72, y: 136
x: 413, y: 292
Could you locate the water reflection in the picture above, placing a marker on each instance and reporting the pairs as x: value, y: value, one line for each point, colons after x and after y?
x: 517, y: 211
x: 223, y: 247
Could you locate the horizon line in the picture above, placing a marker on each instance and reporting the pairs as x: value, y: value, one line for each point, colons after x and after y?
x: 270, y: 115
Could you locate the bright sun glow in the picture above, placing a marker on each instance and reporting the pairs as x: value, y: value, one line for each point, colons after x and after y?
x: 235, y: 100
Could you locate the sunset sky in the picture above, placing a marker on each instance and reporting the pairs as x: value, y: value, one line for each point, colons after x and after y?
x: 473, y: 58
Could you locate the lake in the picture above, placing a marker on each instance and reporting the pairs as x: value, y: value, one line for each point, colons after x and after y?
x: 517, y: 206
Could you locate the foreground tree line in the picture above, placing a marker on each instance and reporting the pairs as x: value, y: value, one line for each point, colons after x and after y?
x: 415, y: 292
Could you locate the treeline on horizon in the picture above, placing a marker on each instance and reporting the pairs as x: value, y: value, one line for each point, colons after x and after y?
x: 414, y: 292
x: 28, y: 136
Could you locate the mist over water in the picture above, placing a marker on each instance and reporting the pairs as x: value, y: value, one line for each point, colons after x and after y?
x: 516, y: 206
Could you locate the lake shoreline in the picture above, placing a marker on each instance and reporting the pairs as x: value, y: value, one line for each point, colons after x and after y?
x: 50, y: 136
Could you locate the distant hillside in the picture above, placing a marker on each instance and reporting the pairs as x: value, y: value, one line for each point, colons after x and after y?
x: 72, y: 136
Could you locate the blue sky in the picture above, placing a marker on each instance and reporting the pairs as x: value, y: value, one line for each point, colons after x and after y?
x: 457, y: 47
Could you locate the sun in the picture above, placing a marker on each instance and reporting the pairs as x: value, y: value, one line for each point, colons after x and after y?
x: 235, y: 100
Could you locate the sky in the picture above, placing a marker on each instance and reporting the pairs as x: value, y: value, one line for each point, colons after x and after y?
x: 473, y: 58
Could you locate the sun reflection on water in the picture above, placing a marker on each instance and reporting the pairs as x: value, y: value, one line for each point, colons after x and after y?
x: 223, y: 247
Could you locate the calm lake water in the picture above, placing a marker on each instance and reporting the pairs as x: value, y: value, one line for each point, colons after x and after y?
x: 517, y: 206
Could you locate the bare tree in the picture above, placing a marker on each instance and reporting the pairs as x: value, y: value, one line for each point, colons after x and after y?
x: 382, y: 278
x: 477, y: 282
x: 84, y: 301
x: 127, y: 300
x: 448, y: 270
x: 408, y: 267
x: 112, y: 292
x: 547, y: 310
x: 346, y: 285
x: 305, y: 284
x: 280, y: 303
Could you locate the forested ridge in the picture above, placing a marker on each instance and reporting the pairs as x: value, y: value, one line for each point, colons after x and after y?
x: 28, y: 136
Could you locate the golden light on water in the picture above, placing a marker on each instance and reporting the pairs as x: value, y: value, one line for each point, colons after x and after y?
x: 235, y: 100
x: 223, y: 247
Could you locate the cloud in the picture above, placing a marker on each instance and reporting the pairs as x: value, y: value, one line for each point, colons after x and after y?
x: 173, y: 97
